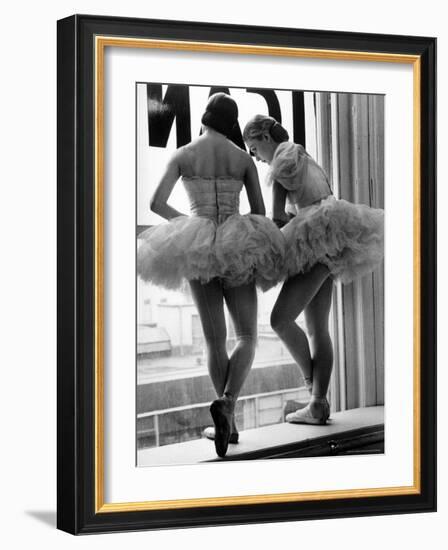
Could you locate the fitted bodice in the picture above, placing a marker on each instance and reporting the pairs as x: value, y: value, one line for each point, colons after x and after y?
x: 213, y: 198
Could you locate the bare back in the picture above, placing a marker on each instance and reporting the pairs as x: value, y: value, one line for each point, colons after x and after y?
x: 212, y: 155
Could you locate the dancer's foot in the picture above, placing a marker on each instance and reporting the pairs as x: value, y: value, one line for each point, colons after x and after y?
x: 292, y: 406
x: 222, y: 413
x: 309, y: 387
x: 316, y: 412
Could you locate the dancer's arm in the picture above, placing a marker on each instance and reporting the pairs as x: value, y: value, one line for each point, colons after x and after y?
x: 161, y: 195
x: 279, y: 193
x: 252, y: 184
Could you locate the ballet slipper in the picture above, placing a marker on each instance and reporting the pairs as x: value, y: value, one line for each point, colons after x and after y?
x: 292, y: 406
x: 222, y: 412
x: 309, y: 414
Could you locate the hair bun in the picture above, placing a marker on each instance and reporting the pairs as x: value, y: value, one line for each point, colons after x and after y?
x: 278, y: 133
x: 221, y: 113
x: 206, y: 118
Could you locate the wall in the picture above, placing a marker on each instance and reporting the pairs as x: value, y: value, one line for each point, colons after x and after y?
x: 28, y: 239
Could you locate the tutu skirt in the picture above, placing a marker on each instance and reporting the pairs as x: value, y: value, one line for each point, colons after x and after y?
x: 348, y: 238
x: 242, y: 249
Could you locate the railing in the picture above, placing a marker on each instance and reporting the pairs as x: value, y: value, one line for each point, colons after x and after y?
x: 285, y: 395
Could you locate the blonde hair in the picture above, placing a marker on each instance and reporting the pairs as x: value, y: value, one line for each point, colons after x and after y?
x: 261, y: 124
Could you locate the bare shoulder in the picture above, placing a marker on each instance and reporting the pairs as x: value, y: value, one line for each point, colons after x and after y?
x: 236, y: 149
x: 180, y: 156
x: 180, y: 153
x: 240, y: 154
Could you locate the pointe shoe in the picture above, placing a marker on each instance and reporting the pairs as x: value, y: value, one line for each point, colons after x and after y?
x: 291, y: 406
x: 209, y: 433
x: 308, y: 416
x: 222, y: 412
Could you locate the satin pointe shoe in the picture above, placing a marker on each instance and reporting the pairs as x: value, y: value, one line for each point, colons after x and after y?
x: 316, y: 413
x: 209, y: 433
x: 222, y: 413
x: 291, y: 406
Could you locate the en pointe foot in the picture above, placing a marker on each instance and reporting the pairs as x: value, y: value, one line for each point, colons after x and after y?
x: 222, y: 413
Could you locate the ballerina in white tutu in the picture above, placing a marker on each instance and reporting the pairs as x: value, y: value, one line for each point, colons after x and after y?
x: 326, y: 239
x: 222, y: 254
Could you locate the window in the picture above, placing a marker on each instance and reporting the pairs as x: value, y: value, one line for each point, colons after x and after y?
x: 344, y: 132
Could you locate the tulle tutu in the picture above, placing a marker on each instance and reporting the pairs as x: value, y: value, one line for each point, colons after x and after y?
x: 348, y: 238
x: 176, y: 250
x: 243, y: 248
x: 250, y: 247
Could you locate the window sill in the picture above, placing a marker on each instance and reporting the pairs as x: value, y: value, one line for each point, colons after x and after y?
x: 357, y: 431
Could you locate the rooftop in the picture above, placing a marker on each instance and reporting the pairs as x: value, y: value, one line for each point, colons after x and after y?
x: 157, y: 369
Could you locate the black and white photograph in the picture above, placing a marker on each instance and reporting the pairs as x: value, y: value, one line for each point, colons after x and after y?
x: 260, y: 273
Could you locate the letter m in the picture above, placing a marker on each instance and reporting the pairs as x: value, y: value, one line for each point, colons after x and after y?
x: 163, y: 111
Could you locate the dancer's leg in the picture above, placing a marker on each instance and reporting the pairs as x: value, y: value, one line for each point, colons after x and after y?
x: 316, y: 317
x: 242, y: 305
x: 296, y: 294
x: 210, y: 305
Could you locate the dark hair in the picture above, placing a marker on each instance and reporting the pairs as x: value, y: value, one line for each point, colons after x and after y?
x: 260, y: 124
x: 221, y: 113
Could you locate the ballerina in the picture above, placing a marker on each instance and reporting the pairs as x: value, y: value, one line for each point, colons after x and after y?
x: 222, y: 254
x: 326, y: 239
